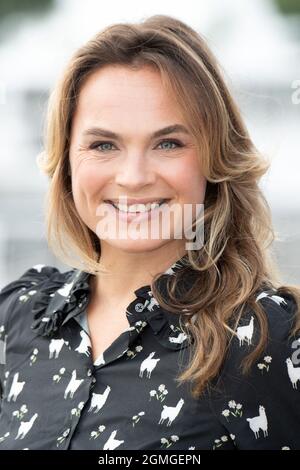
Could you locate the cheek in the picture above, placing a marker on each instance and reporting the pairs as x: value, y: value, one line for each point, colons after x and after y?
x: 87, y: 180
x: 188, y: 180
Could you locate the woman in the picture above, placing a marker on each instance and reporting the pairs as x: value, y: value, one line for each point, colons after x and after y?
x: 150, y: 343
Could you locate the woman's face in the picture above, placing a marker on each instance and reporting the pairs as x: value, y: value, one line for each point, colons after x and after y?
x: 133, y: 163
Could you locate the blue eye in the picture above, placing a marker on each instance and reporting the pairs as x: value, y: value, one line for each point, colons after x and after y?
x: 98, y: 145
x: 176, y: 142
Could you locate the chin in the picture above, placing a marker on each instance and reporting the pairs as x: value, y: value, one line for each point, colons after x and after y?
x: 136, y: 246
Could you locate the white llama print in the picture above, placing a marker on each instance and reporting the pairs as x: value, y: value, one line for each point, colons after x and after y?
x: 38, y: 267
x: 3, y: 350
x: 148, y: 364
x: 25, y: 427
x: 100, y: 360
x: 178, y: 339
x: 72, y: 385
x: 112, y: 443
x: 55, y: 346
x: 85, y: 344
x: 293, y: 372
x: 99, y: 399
x: 153, y: 302
x: 245, y: 333
x: 259, y: 422
x: 16, y: 388
x: 66, y: 289
x: 171, y: 270
x: 276, y: 298
x: 170, y: 412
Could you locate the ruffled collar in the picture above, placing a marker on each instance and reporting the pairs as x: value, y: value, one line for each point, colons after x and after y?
x: 58, y: 302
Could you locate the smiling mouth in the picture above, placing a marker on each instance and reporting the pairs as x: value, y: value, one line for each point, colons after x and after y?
x: 137, y: 208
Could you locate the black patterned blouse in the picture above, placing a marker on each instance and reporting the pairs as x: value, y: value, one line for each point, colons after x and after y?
x: 54, y: 397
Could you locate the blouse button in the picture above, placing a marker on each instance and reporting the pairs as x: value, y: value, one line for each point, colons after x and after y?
x: 139, y: 307
x: 89, y: 373
x: 67, y: 432
x: 93, y: 380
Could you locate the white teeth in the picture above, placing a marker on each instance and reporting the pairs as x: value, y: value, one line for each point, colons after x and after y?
x: 138, y: 207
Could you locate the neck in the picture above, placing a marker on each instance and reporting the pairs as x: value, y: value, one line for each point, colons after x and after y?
x: 129, y: 271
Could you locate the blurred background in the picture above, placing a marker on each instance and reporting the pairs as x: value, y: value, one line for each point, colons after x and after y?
x: 257, y: 43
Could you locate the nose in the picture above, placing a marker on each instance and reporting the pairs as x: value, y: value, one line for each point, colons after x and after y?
x: 135, y: 173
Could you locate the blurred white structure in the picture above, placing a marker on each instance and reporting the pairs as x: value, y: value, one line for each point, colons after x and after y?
x: 253, y: 45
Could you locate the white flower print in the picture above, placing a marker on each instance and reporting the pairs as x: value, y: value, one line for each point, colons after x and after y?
x: 95, y: 434
x: 24, y: 297
x: 77, y: 411
x: 2, y: 438
x: 57, y: 377
x: 132, y: 353
x: 61, y: 439
x: 160, y: 394
x: 219, y: 442
x: 236, y: 410
x: 21, y: 412
x: 136, y: 418
x: 266, y: 364
x: 6, y: 377
x: 33, y: 356
x: 165, y: 443
x: 139, y: 325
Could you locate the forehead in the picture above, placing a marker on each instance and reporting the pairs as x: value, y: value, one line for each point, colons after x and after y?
x: 121, y: 93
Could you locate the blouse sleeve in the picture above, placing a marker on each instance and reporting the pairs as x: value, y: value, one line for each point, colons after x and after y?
x: 9, y: 294
x: 261, y: 410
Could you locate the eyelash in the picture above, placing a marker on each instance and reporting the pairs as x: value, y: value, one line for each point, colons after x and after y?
x: 97, y: 144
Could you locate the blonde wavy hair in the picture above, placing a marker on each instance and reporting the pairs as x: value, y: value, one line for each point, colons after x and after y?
x: 237, y: 256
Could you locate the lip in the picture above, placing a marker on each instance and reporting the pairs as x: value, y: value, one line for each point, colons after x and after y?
x: 136, y: 216
x: 130, y: 201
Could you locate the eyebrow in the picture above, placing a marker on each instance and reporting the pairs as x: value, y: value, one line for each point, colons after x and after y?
x: 100, y: 132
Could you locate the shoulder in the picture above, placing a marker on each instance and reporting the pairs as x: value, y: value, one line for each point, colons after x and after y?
x: 281, y: 312
x: 23, y: 290
x: 271, y: 386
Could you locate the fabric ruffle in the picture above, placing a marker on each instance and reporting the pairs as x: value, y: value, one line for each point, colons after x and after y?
x: 59, y: 301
